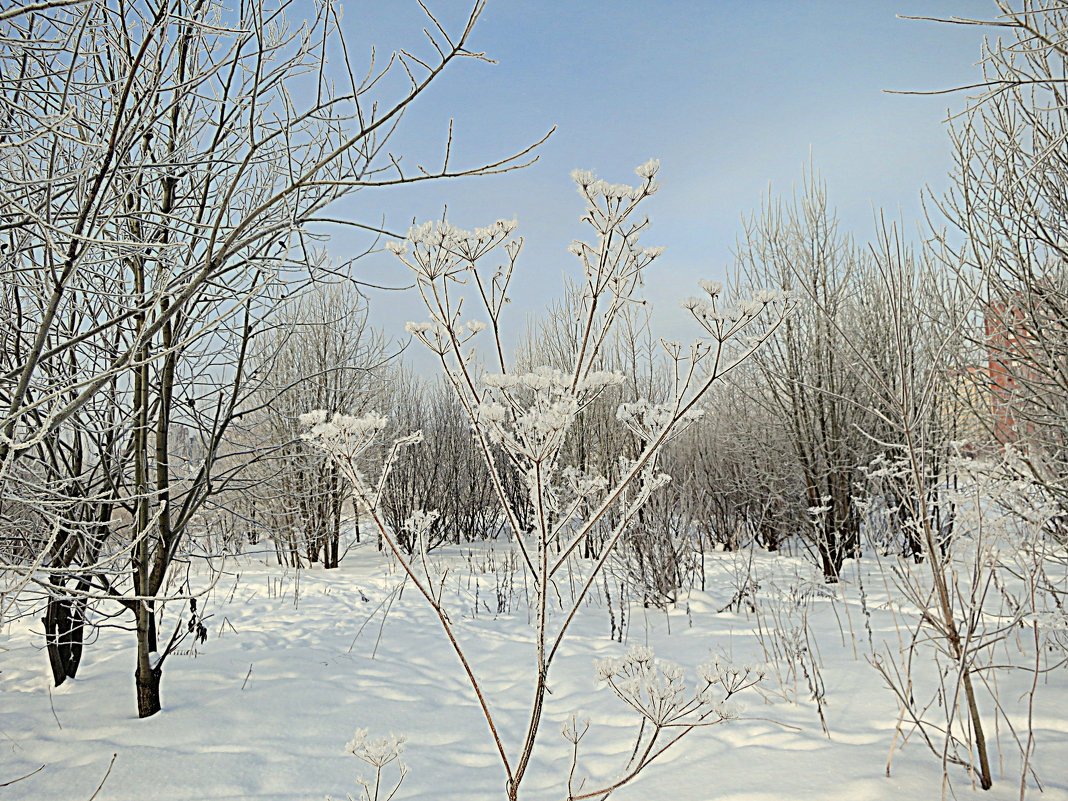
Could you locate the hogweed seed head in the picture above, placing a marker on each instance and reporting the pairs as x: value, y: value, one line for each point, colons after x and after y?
x: 376, y: 752
x: 648, y: 170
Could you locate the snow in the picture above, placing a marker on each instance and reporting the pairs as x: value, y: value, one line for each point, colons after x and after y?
x: 294, y: 665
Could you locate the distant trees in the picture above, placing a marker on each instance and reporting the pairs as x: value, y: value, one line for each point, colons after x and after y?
x: 445, y: 472
x: 877, y: 346
x: 163, y: 165
x: 740, y: 489
x: 805, y: 377
x: 320, y: 352
x: 862, y: 386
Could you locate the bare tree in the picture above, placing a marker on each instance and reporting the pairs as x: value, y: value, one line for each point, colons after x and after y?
x: 1009, y: 202
x: 162, y: 164
x: 805, y: 375
x: 905, y: 361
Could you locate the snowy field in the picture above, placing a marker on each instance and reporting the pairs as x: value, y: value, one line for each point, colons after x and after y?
x: 295, y: 663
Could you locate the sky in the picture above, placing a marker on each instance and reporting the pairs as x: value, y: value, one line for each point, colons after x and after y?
x: 736, y: 99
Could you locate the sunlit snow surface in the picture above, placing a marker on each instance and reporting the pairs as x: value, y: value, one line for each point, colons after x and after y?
x: 265, y: 708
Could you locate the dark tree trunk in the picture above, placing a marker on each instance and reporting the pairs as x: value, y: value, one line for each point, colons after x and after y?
x: 147, y: 681
x: 149, y: 663
x: 332, y: 540
x: 769, y: 537
x: 64, y: 623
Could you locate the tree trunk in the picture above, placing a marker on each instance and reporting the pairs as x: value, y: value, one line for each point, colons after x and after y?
x: 149, y: 663
x: 64, y: 623
x: 831, y: 556
x: 332, y: 543
x: 330, y: 550
x: 147, y: 680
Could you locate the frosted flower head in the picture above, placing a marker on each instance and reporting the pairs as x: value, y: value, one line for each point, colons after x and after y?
x: 748, y: 308
x: 549, y: 382
x: 490, y: 413
x: 767, y: 296
x: 583, y: 484
x: 575, y: 727
x: 504, y: 381
x: 357, y: 741
x: 310, y: 419
x: 644, y: 418
x: 598, y: 380
x: 605, y: 669
x: 672, y: 347
x: 435, y: 249
x: 376, y: 752
x: 535, y: 431
x: 710, y: 695
x: 713, y: 288
x: 612, y: 191
x: 583, y: 177
x: 368, y: 424
x: 344, y: 434
x: 436, y: 234
x: 544, y: 402
x: 397, y: 247
x: 498, y: 229
x: 542, y: 379
x: 648, y: 170
x: 639, y: 654
x: 726, y: 711
x: 730, y: 678
x: 671, y: 671
x: 543, y: 426
x: 708, y: 673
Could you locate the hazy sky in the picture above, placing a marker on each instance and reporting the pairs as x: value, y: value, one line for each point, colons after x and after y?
x: 733, y: 97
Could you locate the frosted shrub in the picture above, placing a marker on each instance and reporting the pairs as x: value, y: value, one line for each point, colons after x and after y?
x: 1003, y: 577
x: 519, y: 420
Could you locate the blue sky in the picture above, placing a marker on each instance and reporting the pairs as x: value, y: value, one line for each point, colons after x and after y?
x: 734, y: 98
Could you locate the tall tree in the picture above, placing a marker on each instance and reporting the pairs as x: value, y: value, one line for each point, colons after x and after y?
x: 805, y: 372
x: 163, y: 161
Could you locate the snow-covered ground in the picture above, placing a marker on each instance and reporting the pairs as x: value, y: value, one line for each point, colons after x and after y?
x: 295, y: 664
